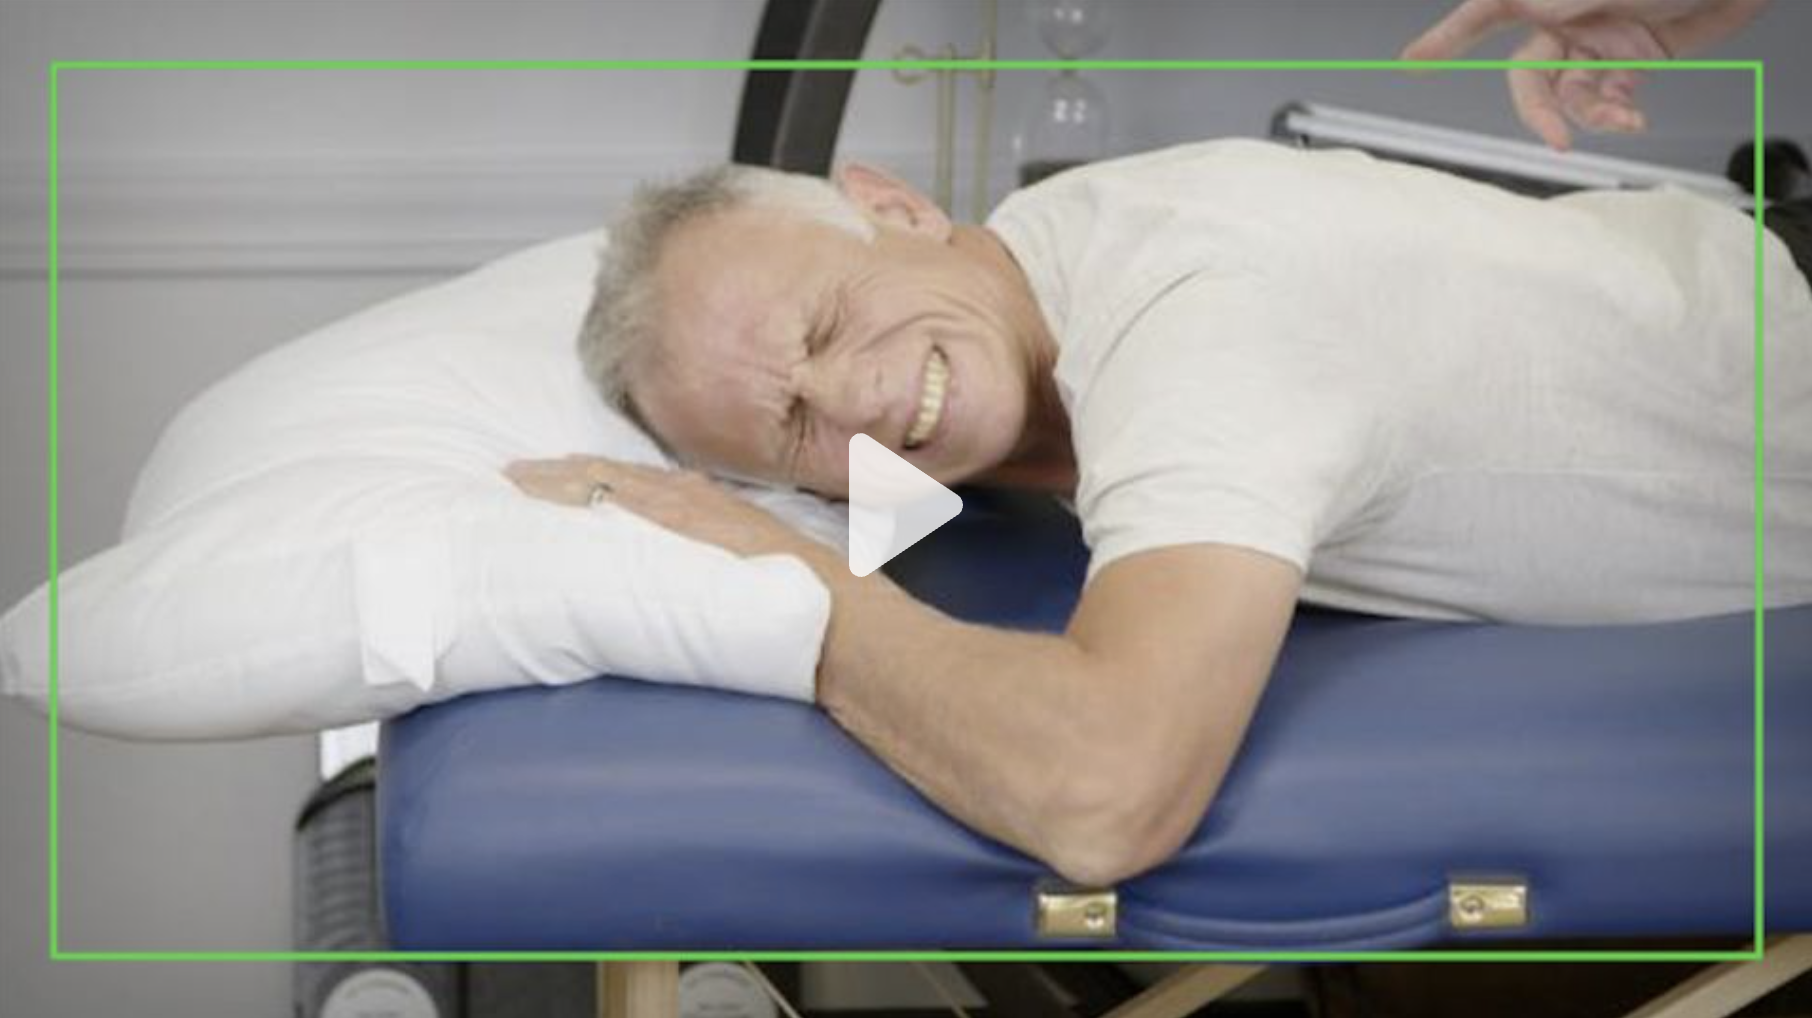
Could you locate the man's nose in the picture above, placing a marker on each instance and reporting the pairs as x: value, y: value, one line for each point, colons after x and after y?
x: 849, y: 396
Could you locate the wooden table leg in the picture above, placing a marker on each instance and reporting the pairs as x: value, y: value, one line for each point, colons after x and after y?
x: 1724, y: 989
x: 638, y: 989
x: 1185, y: 990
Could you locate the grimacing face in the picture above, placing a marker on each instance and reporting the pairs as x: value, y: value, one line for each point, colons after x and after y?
x: 781, y: 337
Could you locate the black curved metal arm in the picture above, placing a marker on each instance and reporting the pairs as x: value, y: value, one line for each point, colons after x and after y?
x: 790, y: 119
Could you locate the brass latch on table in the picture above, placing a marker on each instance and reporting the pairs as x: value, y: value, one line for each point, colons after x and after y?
x: 1487, y: 904
x: 1077, y: 912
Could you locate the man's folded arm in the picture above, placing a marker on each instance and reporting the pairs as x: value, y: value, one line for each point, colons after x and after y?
x: 1096, y: 751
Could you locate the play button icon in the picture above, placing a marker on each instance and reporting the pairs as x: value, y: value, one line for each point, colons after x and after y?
x: 892, y: 505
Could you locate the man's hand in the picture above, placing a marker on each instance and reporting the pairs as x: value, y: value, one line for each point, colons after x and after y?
x: 684, y: 501
x: 1547, y: 100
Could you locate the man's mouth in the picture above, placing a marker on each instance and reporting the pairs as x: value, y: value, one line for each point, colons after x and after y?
x: 935, y: 386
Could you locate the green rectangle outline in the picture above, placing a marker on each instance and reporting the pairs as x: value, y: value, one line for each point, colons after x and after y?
x: 53, y: 266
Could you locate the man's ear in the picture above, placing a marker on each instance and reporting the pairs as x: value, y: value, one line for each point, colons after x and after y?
x: 890, y: 201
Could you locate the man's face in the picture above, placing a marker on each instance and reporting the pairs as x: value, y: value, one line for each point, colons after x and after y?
x: 781, y: 337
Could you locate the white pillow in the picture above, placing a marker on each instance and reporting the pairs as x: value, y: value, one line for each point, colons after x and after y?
x: 325, y: 537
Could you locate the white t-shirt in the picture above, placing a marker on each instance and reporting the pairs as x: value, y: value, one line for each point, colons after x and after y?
x: 1435, y: 397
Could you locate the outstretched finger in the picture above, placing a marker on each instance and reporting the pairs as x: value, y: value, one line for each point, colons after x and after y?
x: 551, y: 480
x: 1532, y: 91
x: 1463, y: 28
x: 614, y: 472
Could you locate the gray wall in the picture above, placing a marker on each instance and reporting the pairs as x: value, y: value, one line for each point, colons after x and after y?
x: 209, y: 216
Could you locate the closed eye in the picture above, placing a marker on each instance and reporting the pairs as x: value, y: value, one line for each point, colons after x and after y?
x: 798, y: 414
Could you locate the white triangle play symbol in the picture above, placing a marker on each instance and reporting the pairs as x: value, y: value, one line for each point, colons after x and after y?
x: 892, y: 505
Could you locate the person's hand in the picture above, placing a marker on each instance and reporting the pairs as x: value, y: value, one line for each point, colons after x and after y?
x: 1603, y: 100
x: 683, y: 501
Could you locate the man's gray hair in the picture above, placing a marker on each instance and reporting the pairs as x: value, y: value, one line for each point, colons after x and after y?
x: 619, y: 332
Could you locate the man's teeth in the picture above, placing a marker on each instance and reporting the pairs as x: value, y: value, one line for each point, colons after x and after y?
x: 931, y: 400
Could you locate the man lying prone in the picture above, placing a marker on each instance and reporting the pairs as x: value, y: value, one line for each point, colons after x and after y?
x: 1263, y: 375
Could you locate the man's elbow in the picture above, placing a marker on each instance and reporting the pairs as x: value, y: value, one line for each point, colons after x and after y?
x: 1117, y: 819
x: 1104, y: 859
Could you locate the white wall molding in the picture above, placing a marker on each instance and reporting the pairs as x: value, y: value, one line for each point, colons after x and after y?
x: 323, y: 213
x: 343, y: 213
x: 317, y: 214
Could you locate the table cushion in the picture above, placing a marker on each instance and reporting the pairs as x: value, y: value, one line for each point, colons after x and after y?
x: 1610, y: 768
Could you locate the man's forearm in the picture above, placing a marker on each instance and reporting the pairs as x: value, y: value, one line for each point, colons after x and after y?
x: 1033, y: 739
x: 1096, y: 751
x: 972, y: 717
